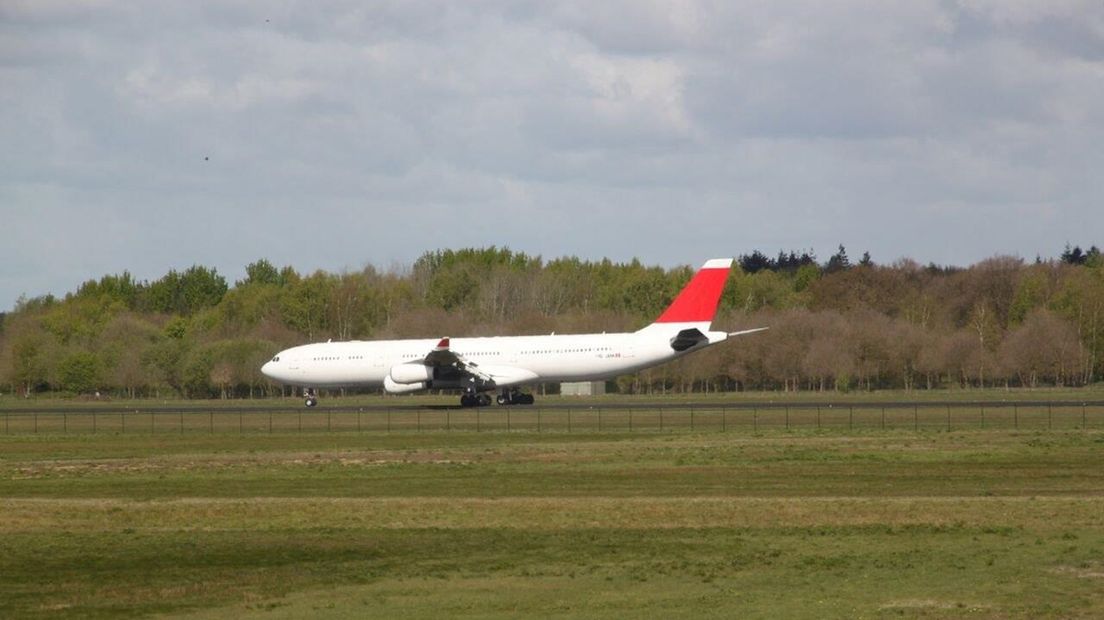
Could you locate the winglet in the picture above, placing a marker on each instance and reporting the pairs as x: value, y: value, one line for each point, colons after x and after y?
x: 443, y: 345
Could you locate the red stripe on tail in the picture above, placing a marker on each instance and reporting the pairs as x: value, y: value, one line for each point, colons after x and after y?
x: 697, y: 302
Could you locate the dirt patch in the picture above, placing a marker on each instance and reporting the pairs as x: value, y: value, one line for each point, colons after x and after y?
x: 918, y: 604
x: 74, y: 469
x: 1092, y: 570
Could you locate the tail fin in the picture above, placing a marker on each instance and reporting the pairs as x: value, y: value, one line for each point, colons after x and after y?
x: 696, y: 305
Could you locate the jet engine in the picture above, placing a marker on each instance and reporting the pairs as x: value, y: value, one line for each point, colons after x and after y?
x: 401, y: 388
x: 414, y: 372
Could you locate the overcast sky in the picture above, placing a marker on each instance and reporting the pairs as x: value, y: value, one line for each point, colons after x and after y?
x: 146, y: 136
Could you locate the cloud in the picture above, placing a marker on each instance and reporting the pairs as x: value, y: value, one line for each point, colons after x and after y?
x: 148, y: 137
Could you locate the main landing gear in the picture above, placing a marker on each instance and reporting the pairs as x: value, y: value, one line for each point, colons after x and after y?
x: 311, y: 399
x: 514, y: 397
x: 472, y: 399
x: 508, y: 397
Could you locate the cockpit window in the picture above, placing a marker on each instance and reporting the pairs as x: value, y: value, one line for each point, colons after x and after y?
x: 276, y: 359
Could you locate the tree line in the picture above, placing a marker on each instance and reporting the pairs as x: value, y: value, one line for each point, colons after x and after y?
x: 835, y: 325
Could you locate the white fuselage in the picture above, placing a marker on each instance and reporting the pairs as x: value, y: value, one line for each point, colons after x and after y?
x: 512, y: 360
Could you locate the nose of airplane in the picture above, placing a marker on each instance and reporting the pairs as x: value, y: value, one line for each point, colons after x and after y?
x: 269, y: 370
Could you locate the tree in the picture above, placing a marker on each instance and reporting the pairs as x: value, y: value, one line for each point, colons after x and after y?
x: 756, y: 262
x: 261, y: 272
x: 120, y: 288
x: 80, y: 372
x: 124, y: 345
x: 838, y: 261
x: 185, y: 293
x: 1073, y: 256
x: 303, y: 304
x: 1044, y: 347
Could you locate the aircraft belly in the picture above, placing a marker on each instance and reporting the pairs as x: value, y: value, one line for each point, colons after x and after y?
x: 587, y: 369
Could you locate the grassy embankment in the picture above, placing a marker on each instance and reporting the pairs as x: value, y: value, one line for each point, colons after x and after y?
x: 989, y: 523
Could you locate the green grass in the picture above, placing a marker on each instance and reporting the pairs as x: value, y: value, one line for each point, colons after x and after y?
x: 814, y: 524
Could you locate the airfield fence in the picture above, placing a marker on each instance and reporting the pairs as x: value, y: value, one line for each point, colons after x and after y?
x: 564, y: 419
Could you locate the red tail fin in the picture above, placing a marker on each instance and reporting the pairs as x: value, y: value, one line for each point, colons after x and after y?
x: 697, y: 302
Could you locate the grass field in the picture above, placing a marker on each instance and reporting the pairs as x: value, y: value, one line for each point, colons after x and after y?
x: 991, y: 523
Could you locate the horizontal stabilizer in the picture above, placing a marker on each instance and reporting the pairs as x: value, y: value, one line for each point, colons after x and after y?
x: 748, y: 331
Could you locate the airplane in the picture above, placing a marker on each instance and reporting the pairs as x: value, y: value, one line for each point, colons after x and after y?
x: 503, y: 364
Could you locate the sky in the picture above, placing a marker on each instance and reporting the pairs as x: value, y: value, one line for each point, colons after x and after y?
x: 149, y: 136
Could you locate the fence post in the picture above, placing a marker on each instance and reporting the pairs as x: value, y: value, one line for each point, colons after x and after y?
x: 983, y: 416
x: 948, y: 418
x: 389, y: 419
x: 1015, y: 416
x: 661, y: 418
x: 211, y: 422
x: 818, y: 417
x: 569, y: 419
x: 328, y: 424
x: 724, y: 418
x: 300, y: 421
x: 6, y: 416
x: 239, y: 422
x: 358, y: 420
x: 269, y: 422
x: 755, y: 419
x: 1082, y: 416
x: 36, y: 423
x: 448, y: 419
x: 883, y: 418
x: 65, y: 423
x: 851, y: 418
x: 152, y: 418
x: 93, y: 422
x: 419, y: 414
x: 787, y: 417
x: 538, y: 420
x: 122, y: 421
x: 599, y: 419
x: 1050, y: 416
x: 477, y: 429
x: 507, y: 419
x: 182, y: 422
x: 691, y: 418
x: 630, y: 419
x: 915, y: 419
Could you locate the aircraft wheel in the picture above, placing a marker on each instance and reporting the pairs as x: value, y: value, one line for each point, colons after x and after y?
x: 311, y: 401
x: 526, y: 399
x: 503, y: 399
x: 483, y: 400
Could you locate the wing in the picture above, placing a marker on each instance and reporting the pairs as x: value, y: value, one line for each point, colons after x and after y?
x: 448, y: 365
x: 443, y: 357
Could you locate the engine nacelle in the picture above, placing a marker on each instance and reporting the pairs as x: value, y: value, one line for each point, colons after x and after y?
x: 415, y: 372
x: 391, y: 387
